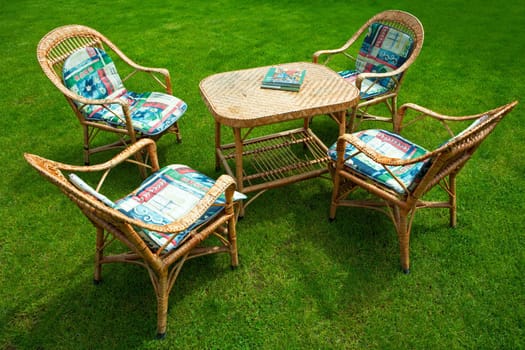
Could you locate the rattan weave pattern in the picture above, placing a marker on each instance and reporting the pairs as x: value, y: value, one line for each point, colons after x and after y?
x: 236, y: 98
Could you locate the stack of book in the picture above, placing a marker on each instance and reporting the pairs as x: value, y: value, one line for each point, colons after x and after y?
x: 283, y: 79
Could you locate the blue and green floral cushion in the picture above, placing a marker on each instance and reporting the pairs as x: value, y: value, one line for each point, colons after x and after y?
x: 368, y: 88
x: 90, y: 72
x: 167, y: 195
x: 390, y: 145
x: 384, y: 49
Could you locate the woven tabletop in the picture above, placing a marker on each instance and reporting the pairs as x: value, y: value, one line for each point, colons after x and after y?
x: 236, y: 98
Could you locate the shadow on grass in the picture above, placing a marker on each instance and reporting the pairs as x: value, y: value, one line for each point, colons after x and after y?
x: 335, y: 270
x: 119, y: 313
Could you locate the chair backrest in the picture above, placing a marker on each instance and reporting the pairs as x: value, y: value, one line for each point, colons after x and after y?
x: 452, y: 155
x: 91, y: 73
x: 57, y: 45
x: 393, y: 40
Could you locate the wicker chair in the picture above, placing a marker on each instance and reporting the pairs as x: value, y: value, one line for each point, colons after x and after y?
x: 392, y: 42
x: 397, y: 173
x: 77, y: 60
x: 160, y: 232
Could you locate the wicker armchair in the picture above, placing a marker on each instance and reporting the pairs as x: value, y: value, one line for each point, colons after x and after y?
x: 397, y: 173
x: 162, y: 222
x: 392, y: 42
x: 78, y: 61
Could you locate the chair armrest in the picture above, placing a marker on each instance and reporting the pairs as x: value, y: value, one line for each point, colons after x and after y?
x: 162, y: 71
x: 373, y: 154
x: 142, y: 144
x: 369, y: 75
x: 424, y: 112
x: 435, y: 115
x: 318, y: 54
x: 340, y: 50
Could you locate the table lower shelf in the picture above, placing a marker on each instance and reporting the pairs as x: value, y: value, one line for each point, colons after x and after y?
x: 276, y: 160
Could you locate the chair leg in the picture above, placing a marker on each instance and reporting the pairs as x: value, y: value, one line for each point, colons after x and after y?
x: 403, y: 233
x: 452, y: 200
x: 162, y: 291
x: 232, y: 237
x: 86, y: 144
x: 177, y: 132
x: 335, y: 195
x: 99, y: 254
x: 350, y: 126
x: 393, y: 112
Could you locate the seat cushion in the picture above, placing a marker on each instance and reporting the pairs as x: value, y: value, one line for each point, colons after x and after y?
x: 166, y: 196
x: 384, y: 49
x: 387, y: 144
x: 368, y: 88
x: 90, y: 72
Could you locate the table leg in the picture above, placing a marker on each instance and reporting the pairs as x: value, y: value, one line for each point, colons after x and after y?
x: 217, y: 145
x: 238, y: 165
x: 341, y: 120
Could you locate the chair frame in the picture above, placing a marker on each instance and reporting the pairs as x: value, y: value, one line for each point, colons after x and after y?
x: 110, y: 224
x: 447, y: 161
x: 402, y: 21
x: 52, y: 51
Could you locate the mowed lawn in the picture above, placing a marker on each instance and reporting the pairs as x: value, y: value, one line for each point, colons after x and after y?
x: 303, y: 282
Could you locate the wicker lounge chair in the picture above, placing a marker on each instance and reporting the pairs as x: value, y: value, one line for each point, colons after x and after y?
x: 78, y: 61
x: 397, y: 173
x: 392, y: 41
x: 162, y: 222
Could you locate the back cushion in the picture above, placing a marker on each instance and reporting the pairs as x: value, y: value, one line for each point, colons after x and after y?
x: 90, y: 72
x: 475, y: 123
x: 383, y: 50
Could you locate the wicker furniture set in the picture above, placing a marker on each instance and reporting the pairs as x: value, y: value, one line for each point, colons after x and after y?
x: 164, y: 220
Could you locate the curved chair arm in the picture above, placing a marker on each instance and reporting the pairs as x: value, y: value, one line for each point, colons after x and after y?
x: 376, y: 76
x: 443, y: 118
x: 225, y: 184
x: 87, y: 101
x: 48, y: 70
x: 341, y: 50
x: 143, y: 144
x: 162, y: 71
x: 373, y: 154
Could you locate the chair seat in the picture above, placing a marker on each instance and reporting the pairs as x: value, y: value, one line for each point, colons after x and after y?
x: 90, y: 72
x: 368, y: 88
x: 165, y: 196
x: 390, y: 145
x: 151, y: 112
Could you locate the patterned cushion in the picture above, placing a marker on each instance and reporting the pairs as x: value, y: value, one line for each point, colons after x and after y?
x: 164, y: 197
x: 90, y: 72
x: 368, y: 88
x: 470, y: 127
x: 391, y: 145
x: 384, y: 49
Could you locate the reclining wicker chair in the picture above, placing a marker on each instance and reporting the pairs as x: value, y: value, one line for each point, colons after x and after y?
x: 162, y: 222
x: 398, y: 173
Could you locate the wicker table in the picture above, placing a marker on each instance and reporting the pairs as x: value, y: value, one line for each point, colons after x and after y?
x: 237, y: 100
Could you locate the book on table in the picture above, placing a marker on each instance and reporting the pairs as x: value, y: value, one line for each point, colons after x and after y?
x: 283, y: 79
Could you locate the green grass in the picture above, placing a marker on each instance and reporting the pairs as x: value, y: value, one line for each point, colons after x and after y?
x: 303, y: 282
